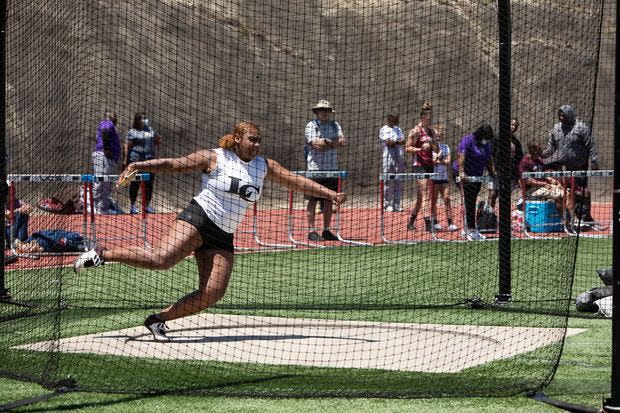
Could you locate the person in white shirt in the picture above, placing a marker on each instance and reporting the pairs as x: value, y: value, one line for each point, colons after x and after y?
x: 392, y: 139
x: 440, y: 185
x: 232, y: 180
x: 324, y: 138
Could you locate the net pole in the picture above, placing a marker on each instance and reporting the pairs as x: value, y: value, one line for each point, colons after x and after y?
x: 612, y: 404
x: 4, y: 293
x: 503, y: 150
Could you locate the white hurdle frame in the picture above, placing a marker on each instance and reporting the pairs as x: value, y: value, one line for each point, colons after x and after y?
x: 564, y: 174
x: 255, y: 234
x: 401, y: 177
x: 341, y: 175
x: 87, y: 182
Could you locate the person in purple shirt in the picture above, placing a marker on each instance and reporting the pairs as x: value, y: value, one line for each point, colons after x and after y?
x: 474, y: 156
x: 106, y: 156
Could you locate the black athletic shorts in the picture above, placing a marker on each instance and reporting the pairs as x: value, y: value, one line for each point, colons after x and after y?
x: 331, y: 183
x: 423, y: 169
x: 213, y: 238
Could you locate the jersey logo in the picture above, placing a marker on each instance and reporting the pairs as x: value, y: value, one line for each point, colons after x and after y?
x: 246, y: 192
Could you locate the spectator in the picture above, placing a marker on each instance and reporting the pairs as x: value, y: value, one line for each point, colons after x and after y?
x: 106, y: 156
x: 142, y: 144
x: 516, y: 154
x: 571, y: 140
x: 474, y: 155
x: 440, y: 181
x: 392, y: 139
x: 18, y: 229
x: 51, y: 240
x: 421, y: 144
x: 323, y: 139
x: 546, y: 188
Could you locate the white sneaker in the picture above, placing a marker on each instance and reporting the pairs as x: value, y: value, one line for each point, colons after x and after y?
x: 452, y: 228
x: 390, y: 208
x: 157, y: 328
x: 474, y: 235
x: 437, y: 227
x: 89, y: 259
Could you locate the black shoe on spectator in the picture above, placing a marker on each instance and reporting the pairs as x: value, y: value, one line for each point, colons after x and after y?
x: 411, y: 224
x: 314, y: 236
x: 329, y: 236
x: 428, y: 224
x: 10, y: 259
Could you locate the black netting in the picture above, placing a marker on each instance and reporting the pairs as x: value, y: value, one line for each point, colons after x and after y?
x: 395, y: 304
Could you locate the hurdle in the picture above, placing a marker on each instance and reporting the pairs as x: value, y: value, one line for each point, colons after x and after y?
x: 88, y: 210
x: 254, y: 231
x: 341, y: 175
x: 88, y: 180
x: 569, y: 190
x: 406, y: 177
x: 481, y: 179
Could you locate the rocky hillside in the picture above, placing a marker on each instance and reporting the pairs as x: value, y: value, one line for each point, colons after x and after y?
x: 197, y: 67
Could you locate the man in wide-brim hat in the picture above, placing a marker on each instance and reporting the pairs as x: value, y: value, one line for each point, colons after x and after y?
x: 323, y: 139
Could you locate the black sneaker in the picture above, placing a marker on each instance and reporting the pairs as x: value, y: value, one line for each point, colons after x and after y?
x: 329, y: 236
x: 411, y: 224
x: 428, y: 224
x: 10, y: 259
x: 157, y: 327
x: 314, y: 236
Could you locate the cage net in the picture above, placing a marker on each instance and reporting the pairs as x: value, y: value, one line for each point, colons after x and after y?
x: 391, y: 293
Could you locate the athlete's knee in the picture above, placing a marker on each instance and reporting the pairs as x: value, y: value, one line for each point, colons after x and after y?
x: 164, y: 260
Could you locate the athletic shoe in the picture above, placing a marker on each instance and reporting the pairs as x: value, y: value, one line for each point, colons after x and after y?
x: 150, y: 210
x: 428, y: 225
x: 314, y: 236
x: 390, y: 208
x: 157, y: 327
x: 474, y: 235
x: 596, y: 226
x: 329, y: 236
x: 411, y: 224
x: 89, y: 259
x: 398, y: 209
x: 133, y: 210
x: 452, y: 228
x: 437, y: 227
x: 10, y: 259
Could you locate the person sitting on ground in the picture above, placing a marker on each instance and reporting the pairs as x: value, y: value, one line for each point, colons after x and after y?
x: 51, y: 240
x: 233, y: 176
x: 546, y: 188
x: 18, y: 229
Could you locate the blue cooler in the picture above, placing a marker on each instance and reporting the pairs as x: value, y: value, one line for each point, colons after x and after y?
x: 542, y: 216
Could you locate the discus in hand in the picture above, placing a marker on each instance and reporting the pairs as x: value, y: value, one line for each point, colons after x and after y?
x: 126, y: 178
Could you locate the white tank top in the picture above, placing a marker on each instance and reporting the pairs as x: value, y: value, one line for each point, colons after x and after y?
x: 228, y: 190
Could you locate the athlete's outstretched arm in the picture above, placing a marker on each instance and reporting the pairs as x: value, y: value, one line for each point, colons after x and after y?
x: 200, y: 160
x: 280, y: 175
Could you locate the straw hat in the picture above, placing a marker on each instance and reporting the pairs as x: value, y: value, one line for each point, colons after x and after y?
x: 322, y: 105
